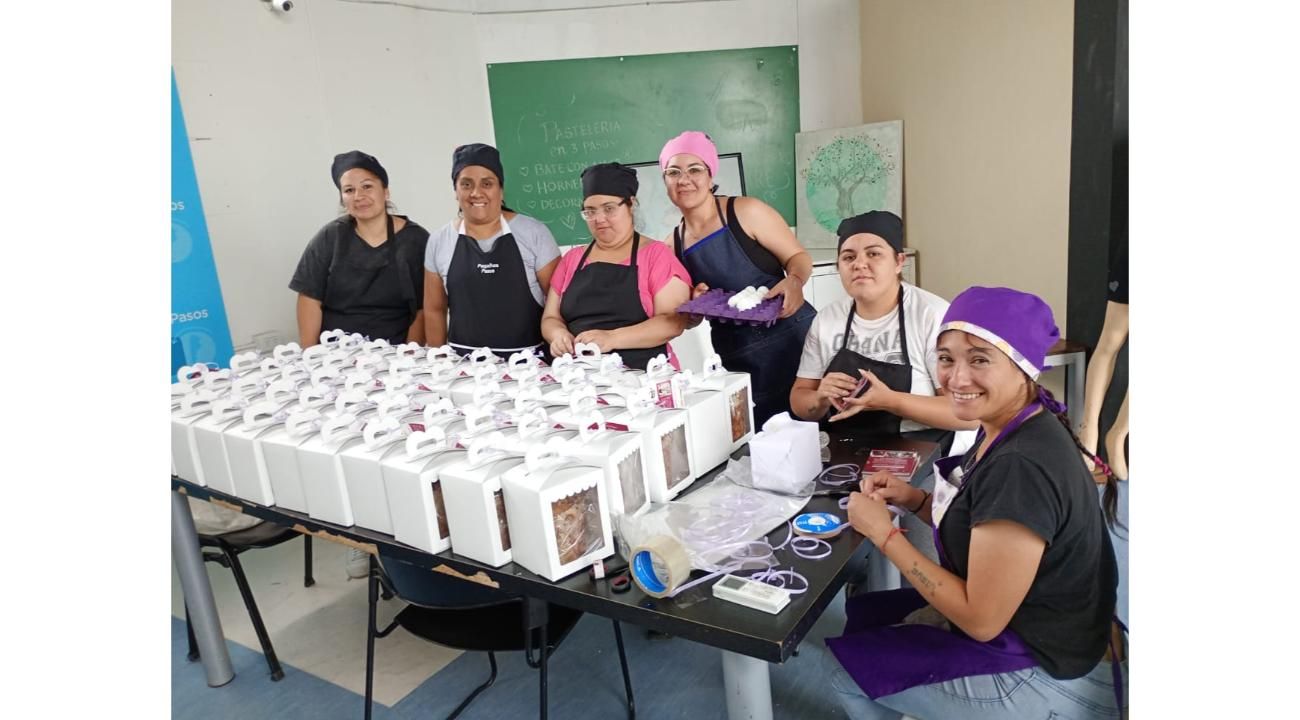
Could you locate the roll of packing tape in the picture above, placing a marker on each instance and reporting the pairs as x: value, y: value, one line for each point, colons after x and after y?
x: 660, y: 565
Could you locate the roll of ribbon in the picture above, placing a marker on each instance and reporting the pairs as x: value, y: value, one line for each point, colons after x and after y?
x: 818, y: 525
x: 659, y: 565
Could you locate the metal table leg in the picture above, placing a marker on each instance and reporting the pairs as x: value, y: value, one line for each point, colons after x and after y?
x: 198, y: 595
x: 748, y: 687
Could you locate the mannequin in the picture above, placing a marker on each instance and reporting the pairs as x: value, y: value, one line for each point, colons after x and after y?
x: 1114, y: 333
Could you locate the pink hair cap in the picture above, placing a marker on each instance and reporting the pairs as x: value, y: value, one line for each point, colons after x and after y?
x: 694, y: 142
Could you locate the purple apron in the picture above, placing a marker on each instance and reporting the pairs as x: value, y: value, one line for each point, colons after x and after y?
x: 884, y: 657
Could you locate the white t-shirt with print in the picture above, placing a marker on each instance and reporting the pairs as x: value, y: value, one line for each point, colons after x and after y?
x: 879, y: 340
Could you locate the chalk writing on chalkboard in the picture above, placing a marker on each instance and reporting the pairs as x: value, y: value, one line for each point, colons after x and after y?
x: 556, y: 117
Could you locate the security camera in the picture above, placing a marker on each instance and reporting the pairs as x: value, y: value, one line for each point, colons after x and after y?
x: 281, y: 5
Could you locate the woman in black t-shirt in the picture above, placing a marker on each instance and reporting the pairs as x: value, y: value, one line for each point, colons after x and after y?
x: 1016, y: 621
x: 364, y: 271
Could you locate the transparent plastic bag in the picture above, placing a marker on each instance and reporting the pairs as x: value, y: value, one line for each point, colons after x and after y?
x: 716, y: 523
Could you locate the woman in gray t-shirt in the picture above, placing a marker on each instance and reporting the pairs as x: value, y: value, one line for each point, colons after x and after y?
x: 486, y: 273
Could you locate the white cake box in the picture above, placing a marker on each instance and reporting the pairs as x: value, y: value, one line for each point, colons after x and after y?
x: 194, y: 405
x: 568, y: 379
x: 669, y: 466
x: 659, y: 374
x: 476, y: 510
x: 710, y: 433
x: 314, y: 356
x: 295, y: 372
x: 483, y: 386
x: 279, y: 449
x: 321, y: 468
x: 634, y: 472
x: 437, y: 378
x: 210, y: 444
x: 481, y: 357
x: 245, y: 363
x: 379, y: 346
x: 363, y: 475
x: 370, y: 363
x: 474, y: 422
x: 621, y: 457
x: 244, y: 454
x: 415, y: 499
x: 338, y: 340
x: 558, y: 513
x: 411, y: 350
x: 740, y: 404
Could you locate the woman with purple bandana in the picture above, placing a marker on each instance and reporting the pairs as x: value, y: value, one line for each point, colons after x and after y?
x: 734, y: 243
x: 1016, y: 619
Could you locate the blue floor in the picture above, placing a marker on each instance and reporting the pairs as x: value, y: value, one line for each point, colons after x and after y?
x: 672, y: 678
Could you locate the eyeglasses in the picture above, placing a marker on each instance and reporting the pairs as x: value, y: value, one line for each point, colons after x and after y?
x: 696, y: 173
x: 603, y: 211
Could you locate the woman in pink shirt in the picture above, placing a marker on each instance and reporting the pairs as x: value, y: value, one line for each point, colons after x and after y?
x: 621, y: 292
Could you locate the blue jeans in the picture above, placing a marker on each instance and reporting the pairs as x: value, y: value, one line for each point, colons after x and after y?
x: 1031, y: 694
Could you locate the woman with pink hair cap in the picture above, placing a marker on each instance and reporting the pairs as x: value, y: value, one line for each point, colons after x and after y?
x: 732, y: 243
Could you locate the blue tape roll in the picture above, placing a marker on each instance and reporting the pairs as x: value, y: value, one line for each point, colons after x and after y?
x: 644, y: 572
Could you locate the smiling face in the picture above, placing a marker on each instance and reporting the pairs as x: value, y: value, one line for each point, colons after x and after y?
x: 688, y: 181
x: 363, y: 196
x: 478, y: 193
x: 982, y: 383
x: 869, y: 267
x: 611, y: 219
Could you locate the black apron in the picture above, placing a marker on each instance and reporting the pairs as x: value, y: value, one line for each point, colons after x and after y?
x: 489, y: 299
x: 361, y: 293
x: 730, y: 260
x: 605, y: 296
x: 895, y: 376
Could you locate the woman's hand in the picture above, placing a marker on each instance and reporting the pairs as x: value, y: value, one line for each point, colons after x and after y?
x: 870, y: 517
x: 889, y: 488
x: 792, y: 289
x: 698, y: 290
x: 603, y: 339
x: 561, y: 343
x: 835, y: 386
x: 876, y: 396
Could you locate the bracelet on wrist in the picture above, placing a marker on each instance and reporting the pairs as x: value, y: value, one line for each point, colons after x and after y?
x: 921, y: 505
x: 892, y: 532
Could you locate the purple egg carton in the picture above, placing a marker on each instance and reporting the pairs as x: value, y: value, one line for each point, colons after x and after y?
x: 713, y: 305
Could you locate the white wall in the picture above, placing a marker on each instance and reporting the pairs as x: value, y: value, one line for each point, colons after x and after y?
x: 269, y: 99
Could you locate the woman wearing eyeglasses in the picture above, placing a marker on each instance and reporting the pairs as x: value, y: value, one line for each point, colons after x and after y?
x: 490, y: 269
x: 621, y: 292
x: 734, y: 243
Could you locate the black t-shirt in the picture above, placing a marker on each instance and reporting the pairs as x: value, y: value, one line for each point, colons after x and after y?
x: 1035, y: 477
x: 375, y: 291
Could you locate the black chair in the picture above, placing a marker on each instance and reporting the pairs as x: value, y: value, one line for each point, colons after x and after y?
x: 525, y: 624
x: 227, y: 547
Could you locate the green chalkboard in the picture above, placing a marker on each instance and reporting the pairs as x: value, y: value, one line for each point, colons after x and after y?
x: 556, y: 117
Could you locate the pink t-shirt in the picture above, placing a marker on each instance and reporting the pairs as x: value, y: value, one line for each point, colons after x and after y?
x: 655, y: 265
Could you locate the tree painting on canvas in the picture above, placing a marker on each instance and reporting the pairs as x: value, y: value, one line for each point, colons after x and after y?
x: 845, y: 172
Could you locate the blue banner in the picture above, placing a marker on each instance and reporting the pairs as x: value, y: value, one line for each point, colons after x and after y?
x: 199, y: 329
